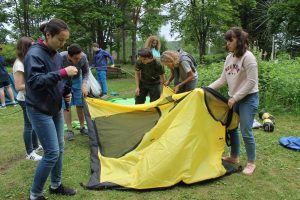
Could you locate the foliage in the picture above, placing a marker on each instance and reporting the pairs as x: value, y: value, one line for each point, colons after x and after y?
x: 279, y: 82
x: 9, y: 53
x: 211, y: 58
x: 200, y: 21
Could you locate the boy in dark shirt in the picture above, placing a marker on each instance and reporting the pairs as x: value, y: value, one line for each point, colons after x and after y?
x: 149, y: 77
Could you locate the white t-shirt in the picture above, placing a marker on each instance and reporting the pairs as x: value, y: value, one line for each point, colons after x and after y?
x: 241, y: 75
x: 18, y: 66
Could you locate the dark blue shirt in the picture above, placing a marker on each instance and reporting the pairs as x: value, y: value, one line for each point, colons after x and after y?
x: 3, y: 72
x: 44, y: 87
x: 100, y: 59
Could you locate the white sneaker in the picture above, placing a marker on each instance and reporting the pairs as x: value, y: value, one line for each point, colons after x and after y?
x: 105, y: 96
x: 33, y: 156
x: 40, y: 148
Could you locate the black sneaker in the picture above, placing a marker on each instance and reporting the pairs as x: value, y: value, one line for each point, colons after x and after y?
x: 62, y: 191
x: 84, y: 131
x: 39, y: 198
x: 71, y: 135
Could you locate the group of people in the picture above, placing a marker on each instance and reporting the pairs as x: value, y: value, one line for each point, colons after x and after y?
x: 149, y: 71
x: 55, y: 81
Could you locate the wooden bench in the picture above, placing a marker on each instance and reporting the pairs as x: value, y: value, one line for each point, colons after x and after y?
x: 115, y: 72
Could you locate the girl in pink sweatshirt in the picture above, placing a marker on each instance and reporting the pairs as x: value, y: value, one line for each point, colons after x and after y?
x: 241, y: 75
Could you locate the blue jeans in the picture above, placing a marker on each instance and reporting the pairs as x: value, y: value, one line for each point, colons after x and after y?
x: 246, y: 108
x: 77, y: 98
x: 101, y: 75
x: 30, y: 137
x: 50, y: 131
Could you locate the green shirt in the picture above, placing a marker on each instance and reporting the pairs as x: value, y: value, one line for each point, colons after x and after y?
x: 150, y: 72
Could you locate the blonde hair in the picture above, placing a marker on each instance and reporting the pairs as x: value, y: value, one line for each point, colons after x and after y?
x: 149, y: 41
x: 170, y: 57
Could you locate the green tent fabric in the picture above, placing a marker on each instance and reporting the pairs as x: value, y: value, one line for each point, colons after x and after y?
x: 126, y: 101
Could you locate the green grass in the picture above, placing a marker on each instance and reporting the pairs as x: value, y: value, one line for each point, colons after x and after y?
x: 276, y: 177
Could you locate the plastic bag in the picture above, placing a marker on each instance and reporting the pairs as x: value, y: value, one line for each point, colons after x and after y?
x: 92, y: 85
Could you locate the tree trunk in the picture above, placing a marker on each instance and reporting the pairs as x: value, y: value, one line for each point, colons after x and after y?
x: 26, y: 17
x: 18, y: 18
x: 133, y: 46
x: 124, y: 44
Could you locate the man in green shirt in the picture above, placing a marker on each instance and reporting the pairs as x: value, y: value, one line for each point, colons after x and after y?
x: 149, y: 77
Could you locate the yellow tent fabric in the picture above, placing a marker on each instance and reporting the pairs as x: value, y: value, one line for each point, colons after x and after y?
x: 185, y: 144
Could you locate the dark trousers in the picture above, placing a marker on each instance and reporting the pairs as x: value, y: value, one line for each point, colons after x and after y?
x: 154, y: 92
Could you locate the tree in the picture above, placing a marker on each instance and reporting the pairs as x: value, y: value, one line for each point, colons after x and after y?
x: 146, y: 20
x: 198, y: 20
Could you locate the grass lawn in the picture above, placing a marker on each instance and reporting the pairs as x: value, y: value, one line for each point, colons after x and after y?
x: 276, y: 177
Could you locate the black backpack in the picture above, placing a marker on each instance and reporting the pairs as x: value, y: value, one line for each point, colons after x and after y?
x: 184, y: 56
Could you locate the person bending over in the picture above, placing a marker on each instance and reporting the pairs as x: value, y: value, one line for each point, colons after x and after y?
x: 74, y: 56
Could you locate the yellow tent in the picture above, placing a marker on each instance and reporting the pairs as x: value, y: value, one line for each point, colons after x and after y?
x: 179, y: 137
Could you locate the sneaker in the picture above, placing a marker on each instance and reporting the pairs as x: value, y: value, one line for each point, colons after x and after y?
x: 104, y: 96
x: 39, y: 198
x: 71, y: 135
x: 33, y: 156
x: 40, y: 148
x: 249, y: 169
x: 62, y: 191
x: 231, y: 159
x: 84, y: 131
x: 2, y: 107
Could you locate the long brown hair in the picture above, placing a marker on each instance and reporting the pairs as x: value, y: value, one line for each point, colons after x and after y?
x: 23, y: 46
x: 242, y: 40
x: 149, y: 41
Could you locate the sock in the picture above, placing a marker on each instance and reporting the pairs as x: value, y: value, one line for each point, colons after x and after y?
x: 54, y: 187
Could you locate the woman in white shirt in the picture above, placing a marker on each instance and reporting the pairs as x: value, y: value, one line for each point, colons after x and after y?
x: 240, y: 73
x: 30, y: 137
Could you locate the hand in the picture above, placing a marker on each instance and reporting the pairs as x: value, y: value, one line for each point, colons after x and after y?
x: 84, y: 90
x: 68, y: 98
x: 112, y: 66
x: 176, y: 88
x: 71, y: 70
x: 137, y: 92
x: 167, y: 83
x: 231, y: 102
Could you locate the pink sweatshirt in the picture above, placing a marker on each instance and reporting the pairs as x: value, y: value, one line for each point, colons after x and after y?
x: 240, y: 74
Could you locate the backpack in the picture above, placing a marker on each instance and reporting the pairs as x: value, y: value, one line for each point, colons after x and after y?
x: 184, y: 56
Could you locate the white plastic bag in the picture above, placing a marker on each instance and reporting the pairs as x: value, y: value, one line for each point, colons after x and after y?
x: 92, y: 85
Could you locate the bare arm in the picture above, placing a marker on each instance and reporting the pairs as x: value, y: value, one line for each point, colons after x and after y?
x: 170, y: 78
x: 137, y: 82
x: 19, y: 80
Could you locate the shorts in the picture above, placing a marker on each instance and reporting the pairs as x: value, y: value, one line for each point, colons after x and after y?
x: 76, y: 91
x: 4, y: 84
